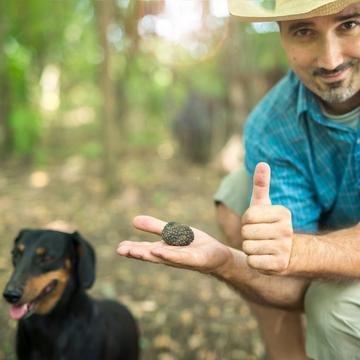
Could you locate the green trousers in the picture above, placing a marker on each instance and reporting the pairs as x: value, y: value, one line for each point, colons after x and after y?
x: 332, y: 308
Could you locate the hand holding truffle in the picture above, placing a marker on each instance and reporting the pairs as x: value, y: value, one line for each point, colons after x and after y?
x: 193, y: 248
x: 266, y: 229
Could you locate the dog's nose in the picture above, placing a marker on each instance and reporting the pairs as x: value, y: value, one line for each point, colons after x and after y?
x: 12, y: 295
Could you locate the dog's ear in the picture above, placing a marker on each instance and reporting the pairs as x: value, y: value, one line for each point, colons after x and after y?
x: 85, y: 261
x: 21, y: 233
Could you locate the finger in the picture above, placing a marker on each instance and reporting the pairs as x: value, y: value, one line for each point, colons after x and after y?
x: 149, y: 224
x: 262, y: 262
x: 261, y: 185
x: 267, y: 263
x: 157, y: 252
x: 264, y: 247
x: 184, y: 258
x: 274, y: 230
x: 138, y: 250
x: 175, y: 256
x: 257, y: 214
x: 259, y: 231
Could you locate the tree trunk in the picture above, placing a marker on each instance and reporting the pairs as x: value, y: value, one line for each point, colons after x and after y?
x: 105, y: 10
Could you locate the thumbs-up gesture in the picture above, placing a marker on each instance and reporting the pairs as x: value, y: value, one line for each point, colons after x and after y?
x: 266, y: 229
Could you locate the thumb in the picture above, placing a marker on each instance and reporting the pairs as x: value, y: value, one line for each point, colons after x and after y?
x: 261, y: 185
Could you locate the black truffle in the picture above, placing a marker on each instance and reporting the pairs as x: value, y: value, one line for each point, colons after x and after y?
x: 177, y: 234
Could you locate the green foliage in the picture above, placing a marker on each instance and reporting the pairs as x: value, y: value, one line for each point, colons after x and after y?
x: 24, y: 121
x: 150, y: 93
x: 91, y: 150
x: 265, y: 51
x: 205, y: 79
x: 143, y: 139
x: 26, y: 128
x: 147, y: 84
x: 18, y: 60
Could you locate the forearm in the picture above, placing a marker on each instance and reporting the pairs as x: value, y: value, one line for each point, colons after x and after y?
x: 335, y: 255
x: 277, y: 291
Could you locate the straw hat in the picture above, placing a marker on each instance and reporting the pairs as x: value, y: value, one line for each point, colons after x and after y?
x: 280, y: 10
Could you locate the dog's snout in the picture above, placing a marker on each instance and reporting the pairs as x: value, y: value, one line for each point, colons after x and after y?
x: 12, y: 295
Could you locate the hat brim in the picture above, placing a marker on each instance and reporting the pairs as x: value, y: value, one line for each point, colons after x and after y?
x: 246, y: 10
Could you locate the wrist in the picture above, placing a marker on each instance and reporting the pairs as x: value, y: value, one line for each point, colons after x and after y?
x: 224, y: 270
x: 227, y: 270
x: 301, y: 258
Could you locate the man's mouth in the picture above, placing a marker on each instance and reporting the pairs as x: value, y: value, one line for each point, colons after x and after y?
x: 22, y: 311
x: 335, y: 76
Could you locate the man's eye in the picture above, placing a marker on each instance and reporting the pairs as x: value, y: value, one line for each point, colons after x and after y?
x: 303, y: 33
x: 349, y: 25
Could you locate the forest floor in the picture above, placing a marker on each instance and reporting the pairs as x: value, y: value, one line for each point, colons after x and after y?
x: 182, y: 314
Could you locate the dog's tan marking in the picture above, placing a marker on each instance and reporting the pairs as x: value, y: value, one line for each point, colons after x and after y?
x: 40, y: 251
x: 36, y: 285
x: 20, y: 248
x: 68, y: 264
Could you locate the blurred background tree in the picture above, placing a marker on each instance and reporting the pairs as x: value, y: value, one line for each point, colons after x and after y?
x: 102, y: 78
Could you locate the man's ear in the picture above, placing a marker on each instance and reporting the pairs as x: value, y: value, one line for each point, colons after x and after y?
x: 85, y: 261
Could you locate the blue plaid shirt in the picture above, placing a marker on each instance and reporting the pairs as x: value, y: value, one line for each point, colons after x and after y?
x: 315, y: 162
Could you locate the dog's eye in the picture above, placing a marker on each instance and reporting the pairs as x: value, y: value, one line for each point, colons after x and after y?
x: 47, y: 258
x: 15, y: 254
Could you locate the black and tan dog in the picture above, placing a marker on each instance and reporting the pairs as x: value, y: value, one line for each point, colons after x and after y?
x: 57, y: 319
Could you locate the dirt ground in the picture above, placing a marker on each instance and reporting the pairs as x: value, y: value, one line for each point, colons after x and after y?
x: 181, y: 314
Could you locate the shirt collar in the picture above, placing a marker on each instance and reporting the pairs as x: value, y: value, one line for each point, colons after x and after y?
x: 302, y: 103
x: 308, y: 103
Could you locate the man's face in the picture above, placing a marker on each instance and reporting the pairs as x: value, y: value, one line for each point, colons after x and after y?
x: 325, y: 54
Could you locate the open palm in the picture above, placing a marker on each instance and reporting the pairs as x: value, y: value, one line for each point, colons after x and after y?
x: 204, y: 254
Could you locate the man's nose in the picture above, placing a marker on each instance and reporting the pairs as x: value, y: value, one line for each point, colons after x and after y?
x: 330, y: 54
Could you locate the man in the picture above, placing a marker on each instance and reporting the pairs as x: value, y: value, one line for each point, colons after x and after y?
x: 315, y: 68
x: 304, y: 230
x: 282, y: 331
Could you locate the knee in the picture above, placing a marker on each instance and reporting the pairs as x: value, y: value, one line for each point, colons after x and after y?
x: 230, y: 224
x: 333, y: 312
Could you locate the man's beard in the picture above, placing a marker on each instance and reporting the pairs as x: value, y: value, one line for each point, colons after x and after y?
x: 337, y: 95
x: 337, y: 92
